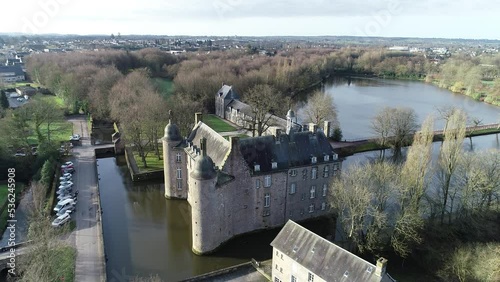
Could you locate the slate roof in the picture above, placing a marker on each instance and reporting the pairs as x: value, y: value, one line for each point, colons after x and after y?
x: 287, y: 150
x: 323, y: 258
x: 227, y: 93
x: 217, y: 146
x: 17, y: 70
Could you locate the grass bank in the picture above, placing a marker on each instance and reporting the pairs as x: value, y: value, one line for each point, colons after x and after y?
x: 218, y: 124
x: 151, y: 160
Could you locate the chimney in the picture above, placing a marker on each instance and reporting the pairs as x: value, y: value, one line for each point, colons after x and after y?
x: 198, y: 117
x: 313, y: 127
x: 203, y: 146
x: 381, y: 266
x: 234, y: 141
x: 327, y: 127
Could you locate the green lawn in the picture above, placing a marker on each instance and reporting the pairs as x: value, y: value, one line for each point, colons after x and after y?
x: 3, y: 197
x: 152, y: 161
x: 65, y: 268
x: 23, y: 83
x: 241, y: 136
x: 217, y: 124
x: 60, y: 131
x: 165, y: 85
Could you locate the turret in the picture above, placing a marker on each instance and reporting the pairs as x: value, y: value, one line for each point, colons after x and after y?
x: 205, y: 205
x: 290, y: 119
x: 174, y: 161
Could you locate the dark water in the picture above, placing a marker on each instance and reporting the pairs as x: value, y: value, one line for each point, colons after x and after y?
x: 359, y: 99
x: 144, y: 233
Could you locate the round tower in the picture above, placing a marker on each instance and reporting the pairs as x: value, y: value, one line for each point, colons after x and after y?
x: 170, y: 158
x: 290, y: 116
x: 205, y: 208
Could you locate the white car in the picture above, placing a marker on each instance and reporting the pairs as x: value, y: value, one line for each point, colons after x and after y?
x: 74, y: 137
x: 66, y: 183
x: 63, y: 192
x: 65, y: 186
x: 69, y: 163
x: 60, y: 220
x: 65, y: 196
x: 65, y: 166
x: 62, y: 179
x: 68, y: 209
x: 62, y: 204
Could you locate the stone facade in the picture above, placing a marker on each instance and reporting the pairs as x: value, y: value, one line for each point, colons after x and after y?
x: 238, y: 185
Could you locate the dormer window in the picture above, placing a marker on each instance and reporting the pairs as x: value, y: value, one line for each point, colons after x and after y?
x: 327, y: 158
x: 256, y: 167
x: 274, y: 165
x: 314, y: 160
x: 335, y: 157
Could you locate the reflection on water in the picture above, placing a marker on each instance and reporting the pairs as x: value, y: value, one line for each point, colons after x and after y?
x: 145, y: 233
x: 358, y: 101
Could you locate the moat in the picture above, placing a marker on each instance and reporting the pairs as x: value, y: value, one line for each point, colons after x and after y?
x: 145, y: 233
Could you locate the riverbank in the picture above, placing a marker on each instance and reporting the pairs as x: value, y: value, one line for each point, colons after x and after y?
x: 346, y: 149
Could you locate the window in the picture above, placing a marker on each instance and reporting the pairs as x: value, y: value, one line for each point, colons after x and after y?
x: 267, y: 181
x: 178, y: 157
x: 281, y: 269
x: 293, y: 172
x: 267, y: 200
x: 294, y: 279
x: 310, y: 277
x: 313, y: 192
x: 314, y: 160
x: 257, y: 183
x: 314, y: 173
x: 276, y: 279
x: 274, y: 165
x: 304, y: 173
x: 256, y: 167
x: 325, y: 189
x: 266, y: 212
x: 179, y: 184
x: 336, y: 166
x: 293, y: 188
x: 179, y: 173
x: 303, y: 196
x: 326, y: 171
x: 323, y: 206
x: 327, y: 158
x: 311, y: 208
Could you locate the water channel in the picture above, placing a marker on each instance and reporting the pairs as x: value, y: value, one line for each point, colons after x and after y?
x: 145, y: 233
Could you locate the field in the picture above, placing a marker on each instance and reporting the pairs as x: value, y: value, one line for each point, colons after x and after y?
x: 166, y: 86
x: 60, y: 131
x: 152, y: 161
x: 218, y: 124
x: 3, y: 197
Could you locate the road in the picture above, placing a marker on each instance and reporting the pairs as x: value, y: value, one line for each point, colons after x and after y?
x: 87, y: 237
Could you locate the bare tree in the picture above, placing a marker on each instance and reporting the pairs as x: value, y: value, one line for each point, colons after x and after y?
x: 265, y: 101
x: 450, y: 156
x: 395, y: 127
x: 320, y: 108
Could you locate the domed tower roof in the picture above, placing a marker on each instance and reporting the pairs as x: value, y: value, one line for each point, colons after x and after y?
x: 290, y: 114
x: 172, y: 132
x: 204, y: 168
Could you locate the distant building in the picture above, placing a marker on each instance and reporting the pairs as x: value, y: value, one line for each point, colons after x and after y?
x: 399, y: 48
x: 26, y: 91
x: 301, y: 255
x: 12, y: 74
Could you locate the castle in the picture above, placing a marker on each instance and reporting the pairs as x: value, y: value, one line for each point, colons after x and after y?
x: 241, y: 185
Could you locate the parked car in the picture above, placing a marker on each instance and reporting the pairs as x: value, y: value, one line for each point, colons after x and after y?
x: 74, y: 137
x: 63, y: 192
x: 60, y: 220
x: 66, y: 178
x: 69, y: 163
x: 66, y: 183
x: 68, y: 209
x: 65, y: 186
x: 63, y: 197
x: 64, y: 166
x: 68, y: 170
x: 63, y: 204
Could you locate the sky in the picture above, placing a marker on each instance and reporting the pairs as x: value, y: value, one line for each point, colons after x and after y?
x: 474, y: 19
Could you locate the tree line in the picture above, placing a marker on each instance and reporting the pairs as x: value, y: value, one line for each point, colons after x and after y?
x: 431, y: 212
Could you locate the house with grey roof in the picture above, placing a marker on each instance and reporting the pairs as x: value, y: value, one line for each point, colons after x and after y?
x: 12, y: 74
x: 301, y: 255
